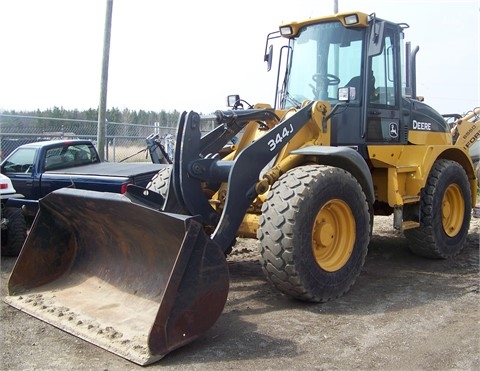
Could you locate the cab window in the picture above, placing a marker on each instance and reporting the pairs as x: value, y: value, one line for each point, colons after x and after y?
x: 382, y: 79
x: 69, y: 156
x: 20, y: 161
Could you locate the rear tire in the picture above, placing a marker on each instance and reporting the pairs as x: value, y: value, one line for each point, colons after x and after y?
x: 314, y: 233
x: 14, y: 236
x: 445, y: 211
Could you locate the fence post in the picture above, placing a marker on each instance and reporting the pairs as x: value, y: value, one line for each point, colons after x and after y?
x: 106, y: 141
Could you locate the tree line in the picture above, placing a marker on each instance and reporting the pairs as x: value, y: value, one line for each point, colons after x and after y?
x: 126, y: 122
x: 114, y: 115
x: 58, y: 119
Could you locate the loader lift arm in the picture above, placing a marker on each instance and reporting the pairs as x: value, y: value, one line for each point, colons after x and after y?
x: 244, y: 175
x: 194, y: 162
x: 193, y: 165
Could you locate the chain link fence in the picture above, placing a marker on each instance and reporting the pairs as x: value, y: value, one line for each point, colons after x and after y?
x: 124, y: 141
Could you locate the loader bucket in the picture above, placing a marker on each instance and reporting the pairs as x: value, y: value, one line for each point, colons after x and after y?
x: 135, y: 281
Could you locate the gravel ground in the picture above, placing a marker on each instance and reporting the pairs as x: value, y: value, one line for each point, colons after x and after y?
x: 403, y: 313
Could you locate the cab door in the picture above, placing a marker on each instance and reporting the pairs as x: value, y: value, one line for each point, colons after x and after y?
x: 383, y: 80
x: 18, y: 166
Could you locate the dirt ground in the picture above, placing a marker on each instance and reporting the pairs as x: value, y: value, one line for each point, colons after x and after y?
x: 403, y: 313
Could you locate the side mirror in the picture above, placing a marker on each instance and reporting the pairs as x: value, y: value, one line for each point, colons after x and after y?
x: 268, y: 57
x: 375, y: 43
x: 232, y: 100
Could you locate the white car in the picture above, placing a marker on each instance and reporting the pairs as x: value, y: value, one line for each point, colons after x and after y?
x: 12, y: 222
x: 6, y: 188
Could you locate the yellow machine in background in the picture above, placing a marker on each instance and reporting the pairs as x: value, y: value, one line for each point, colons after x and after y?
x: 346, y: 139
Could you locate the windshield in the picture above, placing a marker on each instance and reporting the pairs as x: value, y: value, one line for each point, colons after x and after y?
x: 324, y: 57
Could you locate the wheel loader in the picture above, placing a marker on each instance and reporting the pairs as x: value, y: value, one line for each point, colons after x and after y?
x: 346, y: 139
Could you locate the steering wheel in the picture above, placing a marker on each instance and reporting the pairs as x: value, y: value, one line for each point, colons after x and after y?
x: 326, y: 78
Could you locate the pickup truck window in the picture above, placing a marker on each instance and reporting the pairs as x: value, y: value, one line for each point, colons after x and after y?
x: 20, y: 162
x: 70, y: 156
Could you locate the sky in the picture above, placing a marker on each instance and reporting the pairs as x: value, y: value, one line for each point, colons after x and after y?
x: 189, y: 55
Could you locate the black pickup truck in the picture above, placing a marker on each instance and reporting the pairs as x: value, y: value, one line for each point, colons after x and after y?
x: 39, y: 168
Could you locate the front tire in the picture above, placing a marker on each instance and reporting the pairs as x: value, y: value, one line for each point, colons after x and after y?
x: 314, y: 233
x: 445, y: 210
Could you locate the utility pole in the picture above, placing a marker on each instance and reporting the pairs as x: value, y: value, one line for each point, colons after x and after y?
x: 335, y: 6
x: 102, y: 108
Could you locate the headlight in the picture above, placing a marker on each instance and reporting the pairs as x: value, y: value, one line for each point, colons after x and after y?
x: 286, y: 30
x: 351, y: 19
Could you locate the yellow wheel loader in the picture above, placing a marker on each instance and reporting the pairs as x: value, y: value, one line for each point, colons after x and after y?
x: 347, y: 138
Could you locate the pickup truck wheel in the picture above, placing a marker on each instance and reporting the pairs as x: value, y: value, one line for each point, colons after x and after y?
x: 445, y: 210
x: 314, y: 233
x: 16, y: 231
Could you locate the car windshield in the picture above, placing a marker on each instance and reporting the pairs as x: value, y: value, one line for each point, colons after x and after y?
x: 324, y: 57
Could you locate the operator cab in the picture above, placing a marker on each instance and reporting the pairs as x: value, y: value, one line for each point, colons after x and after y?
x: 355, y: 61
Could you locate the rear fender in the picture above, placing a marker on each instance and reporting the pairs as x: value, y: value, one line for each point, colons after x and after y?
x: 458, y: 155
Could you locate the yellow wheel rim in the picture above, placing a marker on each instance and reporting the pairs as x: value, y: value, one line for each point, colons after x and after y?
x: 333, y: 235
x: 453, y: 209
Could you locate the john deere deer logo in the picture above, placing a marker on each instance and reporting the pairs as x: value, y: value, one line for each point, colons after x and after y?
x: 393, y: 130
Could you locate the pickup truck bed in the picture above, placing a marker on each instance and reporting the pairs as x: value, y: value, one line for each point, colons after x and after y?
x: 142, y: 172
x: 39, y: 168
